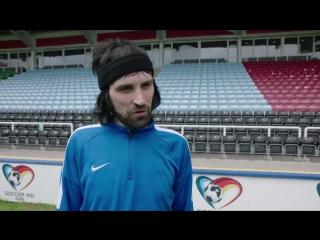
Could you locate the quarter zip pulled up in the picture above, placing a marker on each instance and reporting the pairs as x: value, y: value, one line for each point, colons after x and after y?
x: 130, y: 156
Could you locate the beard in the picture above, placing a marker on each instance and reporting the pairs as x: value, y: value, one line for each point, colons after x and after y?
x: 131, y: 121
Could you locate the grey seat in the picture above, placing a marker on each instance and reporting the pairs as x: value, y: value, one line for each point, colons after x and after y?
x: 189, y: 137
x: 215, y: 143
x: 181, y: 113
x: 291, y: 145
x: 168, y: 120
x: 235, y: 114
x: 264, y: 122
x: 43, y: 137
x: 63, y: 138
x: 271, y: 114
x: 251, y: 121
x: 229, y: 144
x: 170, y: 113
x: 258, y: 115
x: 213, y: 113
x: 178, y: 120
x: 308, y: 145
x: 53, y: 137
x: 191, y: 113
x: 23, y: 136
x: 86, y: 120
x: 200, y: 142
x: 13, y: 137
x: 33, y: 137
x: 259, y: 145
x: 157, y: 119
x: 283, y: 114
x: 275, y: 145
x: 244, y: 144
x: 202, y: 113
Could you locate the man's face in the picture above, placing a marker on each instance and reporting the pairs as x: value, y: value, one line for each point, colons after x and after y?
x: 132, y: 98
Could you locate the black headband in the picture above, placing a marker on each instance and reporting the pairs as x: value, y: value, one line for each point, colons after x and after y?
x: 123, y: 66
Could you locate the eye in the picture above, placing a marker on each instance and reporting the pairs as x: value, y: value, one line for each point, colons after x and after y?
x: 125, y: 89
x: 146, y: 85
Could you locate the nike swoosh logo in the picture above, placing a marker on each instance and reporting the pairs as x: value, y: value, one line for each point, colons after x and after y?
x: 96, y: 168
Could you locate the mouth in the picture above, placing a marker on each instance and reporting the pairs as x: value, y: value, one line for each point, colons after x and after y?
x: 140, y: 112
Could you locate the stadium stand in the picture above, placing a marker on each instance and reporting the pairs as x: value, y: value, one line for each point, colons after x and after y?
x: 58, y: 89
x: 235, y: 99
x: 209, y: 86
x: 288, y: 86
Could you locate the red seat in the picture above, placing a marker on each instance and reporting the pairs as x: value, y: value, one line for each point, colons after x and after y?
x: 279, y: 107
x: 289, y: 96
x: 273, y: 101
x: 304, y: 91
x: 313, y: 108
x: 290, y: 108
x: 302, y: 108
x: 300, y: 96
x: 285, y: 101
x: 295, y: 101
x: 268, y: 96
x: 316, y: 101
x: 310, y: 96
x: 314, y: 90
x: 306, y: 101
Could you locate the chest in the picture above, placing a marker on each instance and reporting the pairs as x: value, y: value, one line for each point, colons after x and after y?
x: 134, y: 166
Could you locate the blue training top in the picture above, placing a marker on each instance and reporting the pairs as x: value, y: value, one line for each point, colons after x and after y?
x: 113, y: 168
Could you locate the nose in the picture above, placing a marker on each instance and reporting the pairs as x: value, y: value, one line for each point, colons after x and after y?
x: 138, y: 98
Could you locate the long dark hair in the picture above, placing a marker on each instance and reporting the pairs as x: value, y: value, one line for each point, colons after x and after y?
x: 103, y: 53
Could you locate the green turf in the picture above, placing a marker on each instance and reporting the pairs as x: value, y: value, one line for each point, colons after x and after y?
x: 15, y: 206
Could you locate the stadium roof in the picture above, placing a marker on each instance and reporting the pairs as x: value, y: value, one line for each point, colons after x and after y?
x: 28, y: 36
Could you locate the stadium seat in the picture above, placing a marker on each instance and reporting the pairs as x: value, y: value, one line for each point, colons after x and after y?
x: 308, y: 145
x: 229, y: 144
x: 244, y: 144
x: 43, y: 137
x: 13, y: 137
x: 23, y: 137
x: 189, y: 138
x: 53, y: 136
x: 215, y: 143
x: 259, y: 145
x: 200, y: 142
x: 63, y: 138
x: 291, y: 145
x: 275, y: 145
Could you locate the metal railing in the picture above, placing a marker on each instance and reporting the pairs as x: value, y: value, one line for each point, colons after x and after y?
x: 224, y: 127
x: 182, y: 127
x: 54, y: 67
x: 306, y: 130
x: 39, y: 123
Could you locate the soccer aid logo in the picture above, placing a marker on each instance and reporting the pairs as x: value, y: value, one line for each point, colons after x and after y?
x: 19, y: 177
x: 219, y: 192
x: 14, y: 178
x: 213, y: 193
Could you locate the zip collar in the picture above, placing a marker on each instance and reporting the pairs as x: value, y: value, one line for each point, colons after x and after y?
x: 126, y: 132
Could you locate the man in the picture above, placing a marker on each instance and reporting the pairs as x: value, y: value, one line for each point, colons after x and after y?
x: 125, y: 163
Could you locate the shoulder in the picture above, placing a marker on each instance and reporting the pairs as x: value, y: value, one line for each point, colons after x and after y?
x: 170, y: 135
x: 89, y: 129
x: 83, y: 134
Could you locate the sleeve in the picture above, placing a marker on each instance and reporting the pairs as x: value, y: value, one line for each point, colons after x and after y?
x: 69, y: 196
x: 183, y: 183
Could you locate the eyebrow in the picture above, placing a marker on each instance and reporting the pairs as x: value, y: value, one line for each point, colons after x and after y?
x: 129, y: 85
